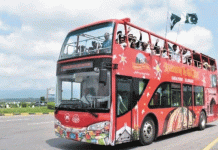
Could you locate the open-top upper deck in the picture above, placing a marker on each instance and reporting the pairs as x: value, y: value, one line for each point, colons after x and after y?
x: 99, y: 38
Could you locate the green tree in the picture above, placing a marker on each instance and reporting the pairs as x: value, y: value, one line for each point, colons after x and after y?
x: 42, y: 99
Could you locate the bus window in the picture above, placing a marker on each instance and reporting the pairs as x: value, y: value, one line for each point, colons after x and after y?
x: 176, y: 95
x: 213, y: 79
x: 197, y: 60
x: 212, y: 64
x: 199, y: 95
x: 187, y: 95
x: 139, y: 85
x: 123, y: 95
x: 66, y: 90
x: 96, y: 39
x: 161, y: 97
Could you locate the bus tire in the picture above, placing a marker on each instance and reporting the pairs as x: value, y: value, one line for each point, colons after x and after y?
x: 147, y: 131
x: 202, y: 121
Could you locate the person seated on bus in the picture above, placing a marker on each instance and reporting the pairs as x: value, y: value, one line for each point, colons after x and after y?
x: 144, y: 46
x: 122, y: 41
x: 156, y: 48
x: 199, y: 65
x: 86, y: 98
x: 156, y: 99
x: 174, y: 53
x: 82, y: 48
x: 133, y: 45
x: 130, y: 38
x: 164, y: 53
x: 206, y: 65
x: 94, y: 46
x: 107, y: 42
x: 119, y: 34
x: 185, y: 55
x: 138, y: 43
x: 133, y: 39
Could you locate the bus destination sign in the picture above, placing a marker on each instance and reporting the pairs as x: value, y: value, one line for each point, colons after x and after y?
x: 77, y: 66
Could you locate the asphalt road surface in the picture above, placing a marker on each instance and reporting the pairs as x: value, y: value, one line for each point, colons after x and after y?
x: 37, y: 133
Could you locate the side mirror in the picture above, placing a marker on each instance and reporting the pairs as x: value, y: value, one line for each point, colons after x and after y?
x: 103, y: 76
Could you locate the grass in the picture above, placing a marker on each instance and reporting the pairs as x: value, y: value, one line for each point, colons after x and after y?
x: 25, y: 110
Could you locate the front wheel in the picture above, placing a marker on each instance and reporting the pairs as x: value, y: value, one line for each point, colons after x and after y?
x: 147, y: 131
x: 202, y: 121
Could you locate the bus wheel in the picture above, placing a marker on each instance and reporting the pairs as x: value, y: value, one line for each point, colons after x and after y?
x: 202, y: 121
x: 147, y: 131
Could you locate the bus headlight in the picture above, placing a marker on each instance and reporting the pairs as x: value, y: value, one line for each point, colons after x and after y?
x: 99, y: 126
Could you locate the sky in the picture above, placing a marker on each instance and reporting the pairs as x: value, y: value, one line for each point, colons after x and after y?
x: 32, y: 33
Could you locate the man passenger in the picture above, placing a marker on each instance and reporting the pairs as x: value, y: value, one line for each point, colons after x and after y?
x: 107, y: 42
x: 175, y: 54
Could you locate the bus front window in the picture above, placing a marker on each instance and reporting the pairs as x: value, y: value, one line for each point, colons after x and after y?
x: 83, y: 91
x: 92, y: 40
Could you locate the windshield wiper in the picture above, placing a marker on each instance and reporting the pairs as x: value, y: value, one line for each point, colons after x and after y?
x: 95, y: 115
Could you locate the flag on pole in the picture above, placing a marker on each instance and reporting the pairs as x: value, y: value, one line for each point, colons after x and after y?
x: 191, y: 18
x: 173, y: 20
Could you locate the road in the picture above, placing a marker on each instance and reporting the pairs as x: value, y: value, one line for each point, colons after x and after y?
x: 37, y: 133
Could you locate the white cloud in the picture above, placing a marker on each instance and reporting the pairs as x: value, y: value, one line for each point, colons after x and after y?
x: 4, y: 26
x: 13, y: 65
x: 19, y: 73
x: 197, y: 38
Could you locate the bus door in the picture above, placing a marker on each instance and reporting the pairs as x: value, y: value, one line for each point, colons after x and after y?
x: 187, y: 107
x: 123, y: 109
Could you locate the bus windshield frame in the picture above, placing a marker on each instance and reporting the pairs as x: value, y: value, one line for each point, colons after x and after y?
x: 82, y: 91
x: 92, y: 40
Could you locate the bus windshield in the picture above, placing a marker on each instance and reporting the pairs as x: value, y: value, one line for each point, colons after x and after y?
x: 83, y: 91
x: 91, y: 40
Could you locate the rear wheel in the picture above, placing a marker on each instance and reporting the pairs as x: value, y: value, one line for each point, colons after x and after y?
x: 147, y: 131
x: 202, y: 121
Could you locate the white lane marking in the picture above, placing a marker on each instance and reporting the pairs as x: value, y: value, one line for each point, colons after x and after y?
x: 14, y: 120
x: 38, y: 123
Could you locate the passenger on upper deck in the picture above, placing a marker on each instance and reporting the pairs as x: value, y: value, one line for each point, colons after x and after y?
x: 107, y: 42
x: 119, y: 34
x: 206, y: 65
x: 164, y: 52
x: 144, y: 46
x: 133, y: 43
x: 186, y: 56
x: 122, y: 41
x: 157, y: 48
x: 174, y: 53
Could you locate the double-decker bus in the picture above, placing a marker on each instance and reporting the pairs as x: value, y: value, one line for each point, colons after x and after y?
x: 118, y: 83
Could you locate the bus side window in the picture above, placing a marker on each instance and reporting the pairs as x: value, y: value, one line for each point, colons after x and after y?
x: 176, y: 95
x: 161, y: 97
x: 199, y: 95
x: 187, y: 95
x: 123, y: 95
